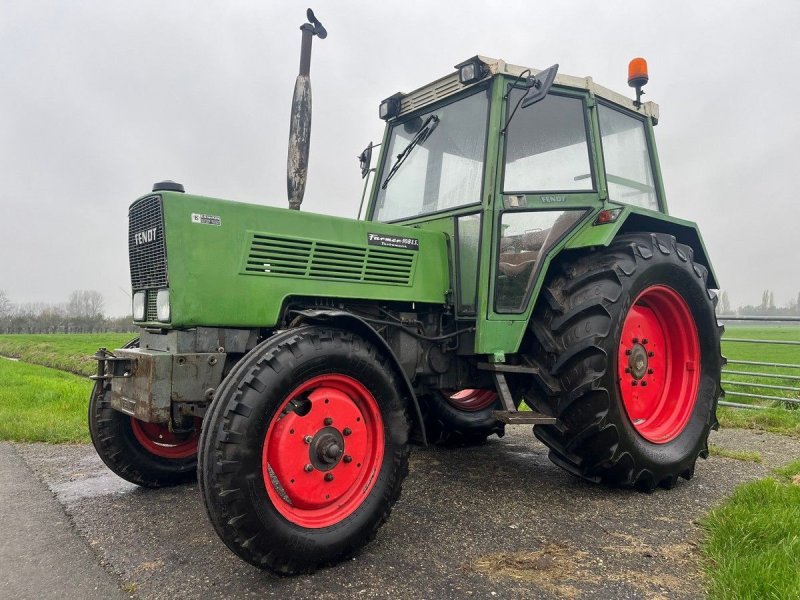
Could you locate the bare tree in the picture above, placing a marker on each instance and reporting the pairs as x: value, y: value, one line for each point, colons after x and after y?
x: 6, y: 310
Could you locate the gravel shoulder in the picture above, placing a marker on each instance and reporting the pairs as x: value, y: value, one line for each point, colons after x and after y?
x: 495, y: 521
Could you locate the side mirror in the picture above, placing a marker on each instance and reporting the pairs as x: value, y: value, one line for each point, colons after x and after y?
x: 539, y: 86
x: 365, y: 160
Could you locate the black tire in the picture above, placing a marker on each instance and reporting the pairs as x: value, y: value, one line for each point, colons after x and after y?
x: 577, y: 325
x: 232, y: 446
x: 114, y: 439
x: 446, y: 425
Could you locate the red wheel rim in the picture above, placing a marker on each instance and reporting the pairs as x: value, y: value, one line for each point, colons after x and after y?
x: 471, y: 400
x: 323, y: 451
x: 159, y: 440
x: 659, y: 364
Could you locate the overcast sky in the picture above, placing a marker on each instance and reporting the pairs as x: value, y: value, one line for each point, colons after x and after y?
x: 100, y: 99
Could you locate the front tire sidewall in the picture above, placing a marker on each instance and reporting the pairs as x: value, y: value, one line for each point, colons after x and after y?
x: 678, y: 454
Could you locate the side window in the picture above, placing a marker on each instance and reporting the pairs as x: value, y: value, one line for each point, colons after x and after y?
x: 629, y: 170
x: 468, y: 235
x: 546, y: 147
x: 525, y: 237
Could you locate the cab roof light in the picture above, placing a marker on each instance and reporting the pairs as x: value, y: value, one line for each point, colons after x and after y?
x: 637, y: 77
x: 390, y: 107
x: 471, y: 70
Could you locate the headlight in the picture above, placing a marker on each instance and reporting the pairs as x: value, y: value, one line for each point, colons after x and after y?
x: 162, y: 305
x: 138, y: 306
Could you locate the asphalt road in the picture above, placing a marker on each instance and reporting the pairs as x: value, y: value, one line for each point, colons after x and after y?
x: 499, y: 521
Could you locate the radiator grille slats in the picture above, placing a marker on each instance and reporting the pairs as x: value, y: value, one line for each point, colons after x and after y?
x: 148, y: 257
x: 275, y: 256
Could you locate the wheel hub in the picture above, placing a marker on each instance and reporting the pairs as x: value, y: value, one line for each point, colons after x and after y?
x: 637, y: 361
x: 326, y: 449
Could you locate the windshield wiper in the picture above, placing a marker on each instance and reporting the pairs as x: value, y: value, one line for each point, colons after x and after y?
x: 427, y: 128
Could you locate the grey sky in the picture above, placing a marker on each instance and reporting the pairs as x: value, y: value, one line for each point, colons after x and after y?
x: 100, y: 99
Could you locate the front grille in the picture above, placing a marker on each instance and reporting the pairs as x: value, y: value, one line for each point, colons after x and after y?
x: 151, y: 306
x: 279, y: 256
x: 147, y: 249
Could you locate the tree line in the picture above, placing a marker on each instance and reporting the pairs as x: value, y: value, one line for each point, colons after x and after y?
x: 83, y: 312
x: 767, y: 308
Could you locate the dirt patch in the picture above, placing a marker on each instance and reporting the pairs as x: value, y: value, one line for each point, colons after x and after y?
x: 551, y: 568
x: 566, y: 572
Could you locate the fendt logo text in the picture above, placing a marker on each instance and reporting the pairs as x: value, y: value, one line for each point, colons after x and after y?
x: 146, y: 236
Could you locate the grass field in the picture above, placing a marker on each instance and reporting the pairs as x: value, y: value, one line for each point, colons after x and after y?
x: 753, y: 540
x: 777, y: 419
x: 65, y: 352
x: 38, y: 404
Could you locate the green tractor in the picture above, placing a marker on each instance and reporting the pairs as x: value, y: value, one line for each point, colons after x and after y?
x: 515, y: 265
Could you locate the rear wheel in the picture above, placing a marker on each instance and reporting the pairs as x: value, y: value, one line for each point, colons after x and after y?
x: 304, y: 450
x: 462, y: 418
x: 630, y: 340
x: 147, y: 454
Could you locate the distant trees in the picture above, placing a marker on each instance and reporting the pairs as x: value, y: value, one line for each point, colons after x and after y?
x: 767, y: 308
x: 82, y: 313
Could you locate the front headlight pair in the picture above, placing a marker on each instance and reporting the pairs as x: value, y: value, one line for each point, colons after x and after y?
x: 162, y: 306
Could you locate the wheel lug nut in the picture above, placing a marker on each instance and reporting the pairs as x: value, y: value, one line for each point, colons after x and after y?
x: 644, y: 341
x: 308, y: 468
x: 634, y: 383
x: 627, y: 352
x: 635, y: 340
x: 651, y: 354
x: 328, y: 476
x: 347, y: 431
x: 328, y: 421
x: 347, y: 458
x: 308, y: 439
x: 644, y: 383
x: 650, y: 371
x: 627, y: 369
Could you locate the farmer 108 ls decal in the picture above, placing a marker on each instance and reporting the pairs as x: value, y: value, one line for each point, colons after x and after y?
x: 516, y: 249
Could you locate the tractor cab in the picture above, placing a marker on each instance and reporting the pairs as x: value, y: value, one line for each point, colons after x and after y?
x: 510, y: 162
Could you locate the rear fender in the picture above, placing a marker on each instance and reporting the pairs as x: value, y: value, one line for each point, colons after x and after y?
x: 634, y: 219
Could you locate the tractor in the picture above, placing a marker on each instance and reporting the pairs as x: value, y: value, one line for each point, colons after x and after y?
x: 513, y: 263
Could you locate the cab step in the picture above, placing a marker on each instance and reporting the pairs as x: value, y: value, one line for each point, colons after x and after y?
x: 523, y: 417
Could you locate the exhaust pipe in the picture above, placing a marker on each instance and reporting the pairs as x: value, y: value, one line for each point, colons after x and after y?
x: 300, y: 122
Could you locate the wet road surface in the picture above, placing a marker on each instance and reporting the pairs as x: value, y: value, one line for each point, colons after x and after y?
x: 498, y: 521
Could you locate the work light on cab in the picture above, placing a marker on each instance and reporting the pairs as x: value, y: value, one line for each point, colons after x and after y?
x: 471, y: 70
x: 390, y: 107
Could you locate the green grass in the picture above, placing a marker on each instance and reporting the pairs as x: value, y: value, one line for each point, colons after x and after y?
x: 42, y: 405
x: 67, y: 352
x: 744, y: 455
x: 753, y: 540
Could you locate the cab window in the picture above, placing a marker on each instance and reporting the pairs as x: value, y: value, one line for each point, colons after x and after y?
x: 629, y: 169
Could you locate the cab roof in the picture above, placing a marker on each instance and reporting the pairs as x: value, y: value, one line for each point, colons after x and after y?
x: 450, y: 84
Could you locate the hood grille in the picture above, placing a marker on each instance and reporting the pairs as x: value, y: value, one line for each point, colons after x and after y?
x: 147, y: 249
x: 279, y: 256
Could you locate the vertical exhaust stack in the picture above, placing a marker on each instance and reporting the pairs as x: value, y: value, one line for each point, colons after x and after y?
x: 300, y: 121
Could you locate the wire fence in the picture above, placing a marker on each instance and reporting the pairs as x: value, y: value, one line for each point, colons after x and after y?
x: 762, y: 373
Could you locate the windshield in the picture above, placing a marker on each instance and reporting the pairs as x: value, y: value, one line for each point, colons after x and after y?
x: 443, y: 171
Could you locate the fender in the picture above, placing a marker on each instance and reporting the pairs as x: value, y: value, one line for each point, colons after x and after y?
x: 347, y: 320
x: 634, y: 219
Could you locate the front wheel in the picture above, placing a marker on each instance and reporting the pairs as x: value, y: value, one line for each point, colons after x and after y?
x: 630, y: 336
x: 304, y: 450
